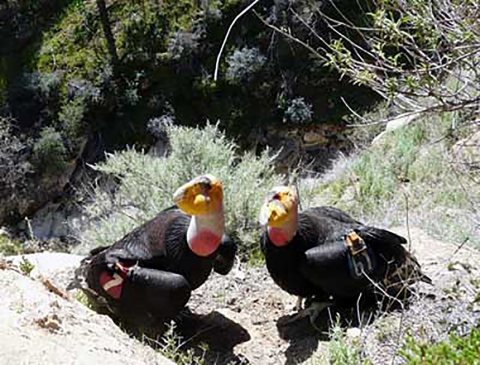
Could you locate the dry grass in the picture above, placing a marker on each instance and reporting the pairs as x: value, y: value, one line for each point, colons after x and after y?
x: 410, y: 174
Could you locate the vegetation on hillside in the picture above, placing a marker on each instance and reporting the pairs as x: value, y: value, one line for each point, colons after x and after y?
x: 413, y: 175
x: 166, y: 56
x: 288, y: 64
x: 456, y: 350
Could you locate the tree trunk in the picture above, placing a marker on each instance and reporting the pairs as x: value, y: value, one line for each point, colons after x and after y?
x: 107, y: 30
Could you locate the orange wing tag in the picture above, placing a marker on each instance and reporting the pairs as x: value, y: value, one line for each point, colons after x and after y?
x: 361, y: 259
x: 355, y: 243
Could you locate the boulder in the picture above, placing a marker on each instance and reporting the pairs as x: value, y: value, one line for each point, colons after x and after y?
x: 396, y: 123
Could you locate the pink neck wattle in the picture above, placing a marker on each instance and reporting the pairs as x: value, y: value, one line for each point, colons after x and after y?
x: 204, y: 243
x: 278, y: 236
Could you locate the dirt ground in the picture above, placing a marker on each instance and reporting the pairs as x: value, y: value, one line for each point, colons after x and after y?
x: 244, y: 317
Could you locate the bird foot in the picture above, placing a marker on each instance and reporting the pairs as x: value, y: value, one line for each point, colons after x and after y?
x: 312, y: 311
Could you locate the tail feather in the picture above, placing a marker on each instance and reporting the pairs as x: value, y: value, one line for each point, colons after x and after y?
x: 401, y: 276
x: 402, y: 269
x: 381, y: 236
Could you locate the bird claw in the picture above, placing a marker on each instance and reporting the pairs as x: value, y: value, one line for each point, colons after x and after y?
x: 315, y: 309
x: 312, y: 311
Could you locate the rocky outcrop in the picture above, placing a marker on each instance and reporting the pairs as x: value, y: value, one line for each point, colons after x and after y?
x: 313, y: 146
x: 25, y: 186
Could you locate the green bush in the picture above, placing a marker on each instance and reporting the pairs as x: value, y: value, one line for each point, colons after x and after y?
x: 49, y: 151
x: 71, y: 117
x: 9, y: 247
x: 456, y: 351
x: 171, y: 344
x: 146, y: 184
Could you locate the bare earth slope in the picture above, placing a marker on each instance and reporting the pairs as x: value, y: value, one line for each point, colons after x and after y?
x: 41, y: 327
x: 241, y: 317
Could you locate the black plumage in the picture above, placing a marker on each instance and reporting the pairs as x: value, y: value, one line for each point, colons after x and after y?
x: 158, y: 270
x: 317, y: 262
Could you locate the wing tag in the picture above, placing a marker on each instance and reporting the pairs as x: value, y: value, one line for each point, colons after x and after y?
x: 360, y: 259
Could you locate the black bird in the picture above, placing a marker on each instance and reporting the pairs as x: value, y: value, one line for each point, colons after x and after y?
x: 324, y: 253
x: 147, y: 276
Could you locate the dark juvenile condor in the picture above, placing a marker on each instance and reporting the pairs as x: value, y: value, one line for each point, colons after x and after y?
x: 325, y: 254
x: 148, y: 275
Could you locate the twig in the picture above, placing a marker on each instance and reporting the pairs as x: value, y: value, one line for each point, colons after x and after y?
x: 51, y: 287
x: 217, y: 63
x: 407, y: 221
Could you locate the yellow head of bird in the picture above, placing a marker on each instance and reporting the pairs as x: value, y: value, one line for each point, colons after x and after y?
x: 202, y: 195
x: 280, y: 205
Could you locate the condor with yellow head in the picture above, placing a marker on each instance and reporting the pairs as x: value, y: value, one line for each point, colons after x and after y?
x: 147, y: 276
x: 324, y: 254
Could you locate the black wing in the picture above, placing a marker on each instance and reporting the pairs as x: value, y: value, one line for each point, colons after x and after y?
x: 326, y: 266
x: 333, y: 214
x: 149, y: 295
x: 149, y: 243
x: 225, y: 258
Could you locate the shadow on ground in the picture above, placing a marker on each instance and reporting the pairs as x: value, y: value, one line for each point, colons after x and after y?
x: 218, y: 332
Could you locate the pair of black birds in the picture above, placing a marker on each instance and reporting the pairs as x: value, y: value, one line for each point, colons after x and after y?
x: 321, y: 254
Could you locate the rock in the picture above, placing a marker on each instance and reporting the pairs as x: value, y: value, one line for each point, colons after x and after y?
x: 315, y: 145
x: 55, y: 266
x: 39, y: 327
x: 314, y: 138
x: 395, y: 124
x: 55, y: 221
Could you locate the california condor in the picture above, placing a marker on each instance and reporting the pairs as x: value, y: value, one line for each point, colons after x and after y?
x: 149, y: 274
x: 324, y: 253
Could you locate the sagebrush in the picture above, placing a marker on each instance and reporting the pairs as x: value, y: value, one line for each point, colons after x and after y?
x: 145, y: 184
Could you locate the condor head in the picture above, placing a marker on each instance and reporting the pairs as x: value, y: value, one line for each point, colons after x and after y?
x: 281, y: 205
x: 200, y: 196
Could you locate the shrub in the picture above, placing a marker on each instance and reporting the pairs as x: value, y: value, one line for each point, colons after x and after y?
x: 183, y: 44
x: 412, y: 171
x: 457, y: 350
x: 9, y: 246
x: 170, y: 347
x: 71, y: 117
x: 83, y: 89
x: 49, y: 151
x: 146, y: 184
x: 245, y: 63
x: 418, y: 46
x: 12, y: 168
x: 298, y: 112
